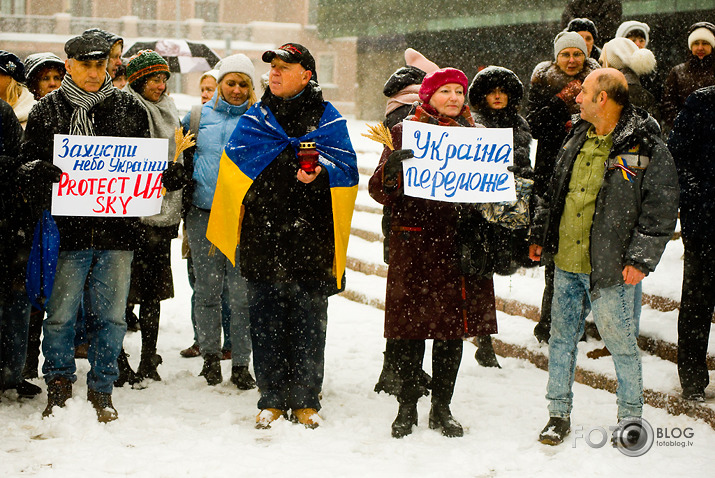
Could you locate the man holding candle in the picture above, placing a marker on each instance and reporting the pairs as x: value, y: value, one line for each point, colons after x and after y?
x: 293, y: 227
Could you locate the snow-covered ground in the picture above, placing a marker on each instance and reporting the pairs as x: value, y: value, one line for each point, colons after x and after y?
x: 182, y: 427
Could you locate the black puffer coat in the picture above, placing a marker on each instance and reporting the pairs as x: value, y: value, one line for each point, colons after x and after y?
x: 16, y: 225
x: 692, y: 143
x: 549, y: 116
x: 634, y: 220
x: 118, y: 115
x: 287, y: 228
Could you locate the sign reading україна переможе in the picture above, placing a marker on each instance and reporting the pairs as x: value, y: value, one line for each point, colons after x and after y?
x: 108, y: 176
x: 458, y: 164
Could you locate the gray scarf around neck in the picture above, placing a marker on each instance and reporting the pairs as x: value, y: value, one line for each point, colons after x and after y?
x: 83, y: 101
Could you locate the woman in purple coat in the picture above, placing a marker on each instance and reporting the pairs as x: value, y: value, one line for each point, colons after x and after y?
x: 428, y: 294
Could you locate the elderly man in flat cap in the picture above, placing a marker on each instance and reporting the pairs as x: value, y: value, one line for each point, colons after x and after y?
x: 85, y: 104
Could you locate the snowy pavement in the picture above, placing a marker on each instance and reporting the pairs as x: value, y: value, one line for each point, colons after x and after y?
x: 182, y: 427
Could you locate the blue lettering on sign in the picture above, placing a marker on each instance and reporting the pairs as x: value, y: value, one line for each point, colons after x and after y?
x: 447, y: 184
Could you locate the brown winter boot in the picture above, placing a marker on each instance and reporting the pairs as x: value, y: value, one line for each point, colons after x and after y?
x: 308, y: 417
x: 102, y: 403
x: 59, y: 390
x: 268, y: 416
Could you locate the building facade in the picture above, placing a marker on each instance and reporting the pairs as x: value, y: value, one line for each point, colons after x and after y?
x: 237, y: 26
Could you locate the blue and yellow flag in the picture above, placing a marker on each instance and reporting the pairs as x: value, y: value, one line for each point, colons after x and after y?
x: 257, y: 140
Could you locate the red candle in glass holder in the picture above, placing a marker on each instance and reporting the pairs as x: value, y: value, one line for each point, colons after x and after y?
x: 308, y: 156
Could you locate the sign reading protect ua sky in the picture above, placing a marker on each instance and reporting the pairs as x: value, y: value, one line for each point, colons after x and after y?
x: 107, y: 176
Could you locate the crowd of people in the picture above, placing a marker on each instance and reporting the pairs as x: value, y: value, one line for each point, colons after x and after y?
x: 265, y: 231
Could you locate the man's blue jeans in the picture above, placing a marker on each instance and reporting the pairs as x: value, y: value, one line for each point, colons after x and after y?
x: 14, y: 325
x: 212, y: 271
x: 288, y: 326
x: 108, y: 287
x: 616, y: 311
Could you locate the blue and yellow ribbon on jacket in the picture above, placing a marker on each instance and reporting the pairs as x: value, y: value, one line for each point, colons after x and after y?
x: 257, y: 140
x: 628, y: 174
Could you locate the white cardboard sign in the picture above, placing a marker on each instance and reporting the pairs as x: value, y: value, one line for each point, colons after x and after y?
x: 467, y: 165
x: 107, y: 176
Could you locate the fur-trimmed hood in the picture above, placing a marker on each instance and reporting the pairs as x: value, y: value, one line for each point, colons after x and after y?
x: 548, y: 76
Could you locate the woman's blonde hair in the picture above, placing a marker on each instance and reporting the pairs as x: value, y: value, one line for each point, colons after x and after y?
x: 251, y: 91
x: 14, y: 90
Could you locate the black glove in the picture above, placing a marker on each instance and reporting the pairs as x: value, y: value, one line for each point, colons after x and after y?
x: 524, y: 172
x: 393, y: 165
x: 39, y: 170
x: 174, y: 177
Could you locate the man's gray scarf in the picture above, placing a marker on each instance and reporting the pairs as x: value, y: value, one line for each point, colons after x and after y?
x: 83, y: 101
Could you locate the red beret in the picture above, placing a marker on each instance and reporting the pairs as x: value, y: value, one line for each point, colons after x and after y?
x: 436, y: 79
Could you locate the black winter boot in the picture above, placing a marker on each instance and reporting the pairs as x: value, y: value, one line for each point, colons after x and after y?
x: 406, y: 419
x: 59, y: 390
x: 485, y: 352
x: 440, y: 417
x: 212, y: 370
x: 389, y: 382
x: 26, y: 389
x: 147, y: 367
x: 555, y: 431
x: 542, y: 331
x: 102, y: 403
x: 126, y: 374
x: 131, y: 319
x: 241, y: 378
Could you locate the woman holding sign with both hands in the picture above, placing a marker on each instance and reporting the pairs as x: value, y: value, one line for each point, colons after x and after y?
x: 432, y: 291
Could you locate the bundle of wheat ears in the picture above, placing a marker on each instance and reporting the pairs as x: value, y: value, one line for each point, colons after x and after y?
x: 381, y: 134
x: 183, y: 142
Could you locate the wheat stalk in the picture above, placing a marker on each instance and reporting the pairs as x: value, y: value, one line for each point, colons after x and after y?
x: 381, y: 134
x: 183, y: 142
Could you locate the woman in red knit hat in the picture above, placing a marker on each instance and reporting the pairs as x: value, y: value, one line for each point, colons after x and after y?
x: 429, y: 294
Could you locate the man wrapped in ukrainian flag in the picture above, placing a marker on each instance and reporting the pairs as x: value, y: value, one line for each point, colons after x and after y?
x: 292, y: 229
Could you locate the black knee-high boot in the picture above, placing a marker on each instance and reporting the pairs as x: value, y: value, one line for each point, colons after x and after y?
x: 149, y: 325
x: 408, y: 359
x: 446, y: 357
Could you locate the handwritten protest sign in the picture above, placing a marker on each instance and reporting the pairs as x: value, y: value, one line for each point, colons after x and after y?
x: 458, y: 164
x: 107, y: 176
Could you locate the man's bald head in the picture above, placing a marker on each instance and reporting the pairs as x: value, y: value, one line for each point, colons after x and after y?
x: 613, y: 83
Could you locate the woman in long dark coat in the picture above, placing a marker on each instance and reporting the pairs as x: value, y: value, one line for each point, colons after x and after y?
x: 495, y: 94
x: 428, y: 295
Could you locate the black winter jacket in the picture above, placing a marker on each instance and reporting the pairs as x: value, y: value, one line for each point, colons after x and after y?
x: 682, y: 80
x: 119, y: 115
x: 287, y: 228
x: 692, y: 143
x: 16, y: 225
x: 634, y: 220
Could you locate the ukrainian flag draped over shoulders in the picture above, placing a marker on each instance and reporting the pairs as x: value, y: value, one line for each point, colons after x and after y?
x: 257, y: 140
